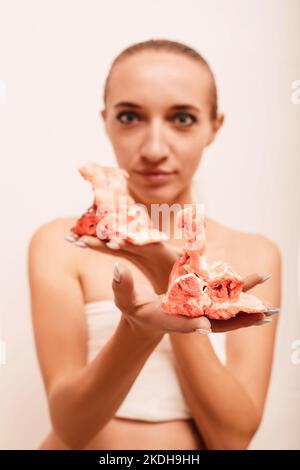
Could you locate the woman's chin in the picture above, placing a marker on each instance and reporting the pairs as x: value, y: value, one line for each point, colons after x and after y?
x: 154, y: 195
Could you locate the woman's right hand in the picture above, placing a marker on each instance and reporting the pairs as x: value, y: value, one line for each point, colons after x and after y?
x: 141, y: 308
x: 155, y: 260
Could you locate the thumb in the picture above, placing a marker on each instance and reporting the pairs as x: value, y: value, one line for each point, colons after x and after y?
x: 123, y: 288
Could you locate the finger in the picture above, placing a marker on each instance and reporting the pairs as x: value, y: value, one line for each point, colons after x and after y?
x: 253, y: 279
x: 242, y: 320
x: 169, y: 246
x: 177, y: 250
x: 188, y: 324
x: 96, y: 244
x: 117, y: 244
x: 123, y: 288
x: 90, y: 242
x: 112, y: 245
x: 272, y: 311
x: 71, y: 237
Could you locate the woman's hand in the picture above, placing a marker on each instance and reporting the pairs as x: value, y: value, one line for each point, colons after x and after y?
x: 142, y: 309
x: 155, y: 259
x: 243, y: 319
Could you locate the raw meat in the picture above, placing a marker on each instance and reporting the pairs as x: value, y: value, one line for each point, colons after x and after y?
x: 196, y: 288
x: 114, y: 214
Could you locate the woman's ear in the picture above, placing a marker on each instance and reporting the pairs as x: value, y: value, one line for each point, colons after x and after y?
x: 216, y: 125
x: 103, y: 114
x: 219, y: 121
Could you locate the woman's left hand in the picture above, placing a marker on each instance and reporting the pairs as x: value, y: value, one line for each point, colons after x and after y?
x: 150, y: 304
x: 155, y: 259
x: 243, y: 319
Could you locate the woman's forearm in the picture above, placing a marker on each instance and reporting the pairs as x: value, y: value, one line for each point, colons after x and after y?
x: 222, y: 409
x: 82, y: 404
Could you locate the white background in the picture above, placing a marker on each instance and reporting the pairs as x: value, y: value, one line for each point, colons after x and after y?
x: 54, y: 56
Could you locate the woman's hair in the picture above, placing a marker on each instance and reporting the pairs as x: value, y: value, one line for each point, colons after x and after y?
x: 165, y: 45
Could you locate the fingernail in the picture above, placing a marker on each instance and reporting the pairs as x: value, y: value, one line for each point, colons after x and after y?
x: 112, y: 245
x: 117, y: 274
x: 201, y: 331
x: 71, y: 239
x: 262, y: 322
x: 266, y: 277
x: 80, y: 243
x: 272, y: 311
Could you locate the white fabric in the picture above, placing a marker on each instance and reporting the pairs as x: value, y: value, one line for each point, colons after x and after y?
x: 156, y: 394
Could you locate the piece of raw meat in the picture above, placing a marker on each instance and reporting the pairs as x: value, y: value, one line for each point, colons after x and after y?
x: 197, y: 288
x: 114, y: 214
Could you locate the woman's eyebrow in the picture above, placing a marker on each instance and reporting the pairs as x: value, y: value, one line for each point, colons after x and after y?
x: 127, y: 104
x: 178, y: 107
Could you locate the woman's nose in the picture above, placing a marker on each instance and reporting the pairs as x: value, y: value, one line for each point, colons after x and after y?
x: 154, y: 147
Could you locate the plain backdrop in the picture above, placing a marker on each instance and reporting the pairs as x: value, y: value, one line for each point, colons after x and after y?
x: 54, y: 57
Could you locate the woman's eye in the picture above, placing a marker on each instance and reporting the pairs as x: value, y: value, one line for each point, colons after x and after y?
x: 127, y: 117
x: 185, y: 119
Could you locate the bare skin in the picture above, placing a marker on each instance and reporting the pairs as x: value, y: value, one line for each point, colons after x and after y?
x: 227, y: 402
x: 118, y: 433
x: 88, y: 266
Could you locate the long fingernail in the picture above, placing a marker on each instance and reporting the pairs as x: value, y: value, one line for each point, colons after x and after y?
x: 262, y: 322
x: 265, y: 277
x: 272, y: 311
x: 201, y: 331
x: 70, y: 238
x: 117, y: 274
x: 112, y: 245
x: 80, y: 243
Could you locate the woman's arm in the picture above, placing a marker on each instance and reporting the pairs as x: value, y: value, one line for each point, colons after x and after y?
x: 227, y: 402
x: 82, y: 398
x: 83, y: 402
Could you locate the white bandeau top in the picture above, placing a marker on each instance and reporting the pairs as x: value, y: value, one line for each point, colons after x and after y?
x: 156, y: 394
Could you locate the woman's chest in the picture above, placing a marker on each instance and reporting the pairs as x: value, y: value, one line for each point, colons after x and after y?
x: 96, y: 274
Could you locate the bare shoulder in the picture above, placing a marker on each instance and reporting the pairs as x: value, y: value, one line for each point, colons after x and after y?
x: 55, y: 227
x: 48, y: 239
x: 247, y: 250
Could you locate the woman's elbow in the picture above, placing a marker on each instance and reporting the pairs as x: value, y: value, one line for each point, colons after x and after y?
x: 241, y: 437
x: 72, y: 435
x: 236, y: 437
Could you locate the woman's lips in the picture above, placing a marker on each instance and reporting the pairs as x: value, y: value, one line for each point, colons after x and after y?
x: 156, y: 176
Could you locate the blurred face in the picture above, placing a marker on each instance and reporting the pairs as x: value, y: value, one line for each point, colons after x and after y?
x: 157, y: 116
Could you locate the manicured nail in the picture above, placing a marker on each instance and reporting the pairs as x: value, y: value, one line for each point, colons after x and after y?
x: 272, y: 311
x: 117, y: 274
x: 80, y: 243
x: 265, y: 277
x: 70, y: 238
x: 262, y: 322
x: 112, y: 245
x: 201, y: 331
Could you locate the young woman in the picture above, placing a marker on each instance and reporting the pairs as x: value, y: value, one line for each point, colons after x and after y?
x: 133, y: 377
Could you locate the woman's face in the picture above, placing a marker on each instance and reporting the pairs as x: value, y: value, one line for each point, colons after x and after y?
x: 157, y: 116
